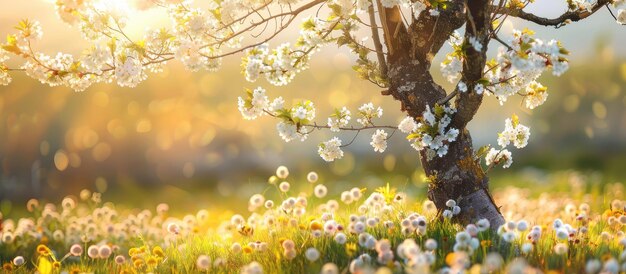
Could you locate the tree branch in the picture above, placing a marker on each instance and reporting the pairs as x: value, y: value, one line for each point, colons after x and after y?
x: 429, y: 33
x: 379, y: 47
x: 556, y: 22
x: 395, y: 32
x: 477, y: 27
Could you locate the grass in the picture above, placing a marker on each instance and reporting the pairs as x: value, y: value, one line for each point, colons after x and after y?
x: 147, y: 242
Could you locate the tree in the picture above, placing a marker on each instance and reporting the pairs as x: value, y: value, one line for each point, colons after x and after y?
x: 405, y: 36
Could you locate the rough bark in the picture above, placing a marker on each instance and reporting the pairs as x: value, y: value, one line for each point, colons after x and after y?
x: 457, y: 175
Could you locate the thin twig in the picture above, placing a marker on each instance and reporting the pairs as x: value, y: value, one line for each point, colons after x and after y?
x: 379, y: 47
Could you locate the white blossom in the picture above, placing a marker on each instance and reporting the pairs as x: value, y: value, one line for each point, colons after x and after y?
x: 367, y: 112
x: 621, y: 16
x: 495, y: 157
x: 418, y: 7
x: 462, y: 86
x: 289, y: 131
x: 536, y: 95
x: 514, y: 132
x: 479, y: 88
x: 436, y: 144
x: 379, y: 140
x: 129, y: 71
x: 407, y: 125
x: 254, y: 105
x: 330, y: 150
x: 475, y: 43
x: 339, y: 119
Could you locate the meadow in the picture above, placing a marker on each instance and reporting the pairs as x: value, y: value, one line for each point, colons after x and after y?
x: 167, y: 177
x: 567, y: 222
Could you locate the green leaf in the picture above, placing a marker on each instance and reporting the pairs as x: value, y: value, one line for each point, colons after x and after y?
x: 483, y: 81
x: 336, y: 9
x: 413, y: 136
x: 308, y: 24
x: 482, y: 151
x: 515, y: 120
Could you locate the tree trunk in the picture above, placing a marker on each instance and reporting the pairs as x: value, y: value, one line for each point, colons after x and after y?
x: 456, y: 175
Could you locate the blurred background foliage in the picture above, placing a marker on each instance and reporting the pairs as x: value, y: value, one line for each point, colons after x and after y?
x: 179, y: 135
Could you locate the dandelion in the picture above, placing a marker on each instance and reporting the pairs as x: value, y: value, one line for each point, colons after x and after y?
x: 219, y: 262
x: 593, y: 266
x: 312, y: 254
x: 611, y: 266
x: 330, y: 227
x: 359, y: 227
x: 340, y: 238
x: 173, y: 228
x: 162, y: 208
x: 290, y: 254
x: 346, y: 197
x: 235, y: 248
x: 288, y: 245
x: 252, y: 268
x: 522, y: 226
x: 527, y: 248
x: 472, y: 230
x: 203, y: 262
x: 560, y: 248
x: 493, y: 262
x: 256, y: 200
x: 284, y: 186
x: 104, y: 251
x: 450, y: 203
x: 282, y: 172
x: 269, y: 204
x: 18, y: 261
x: 509, y: 236
x: 320, y: 191
x: 510, y: 226
x: 312, y: 177
x: 120, y: 259
x: 330, y: 268
x: 562, y: 234
x: 76, y: 250
x: 93, y: 252
x: 456, y: 210
x: 430, y: 244
x: 482, y: 225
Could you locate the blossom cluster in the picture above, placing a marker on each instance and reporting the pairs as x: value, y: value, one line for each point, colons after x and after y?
x: 515, y: 133
x: 432, y: 132
x: 279, y: 66
x: 518, y: 67
x: 198, y: 37
x: 296, y: 122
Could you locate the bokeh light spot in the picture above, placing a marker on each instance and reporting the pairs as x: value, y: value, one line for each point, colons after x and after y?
x: 61, y: 160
